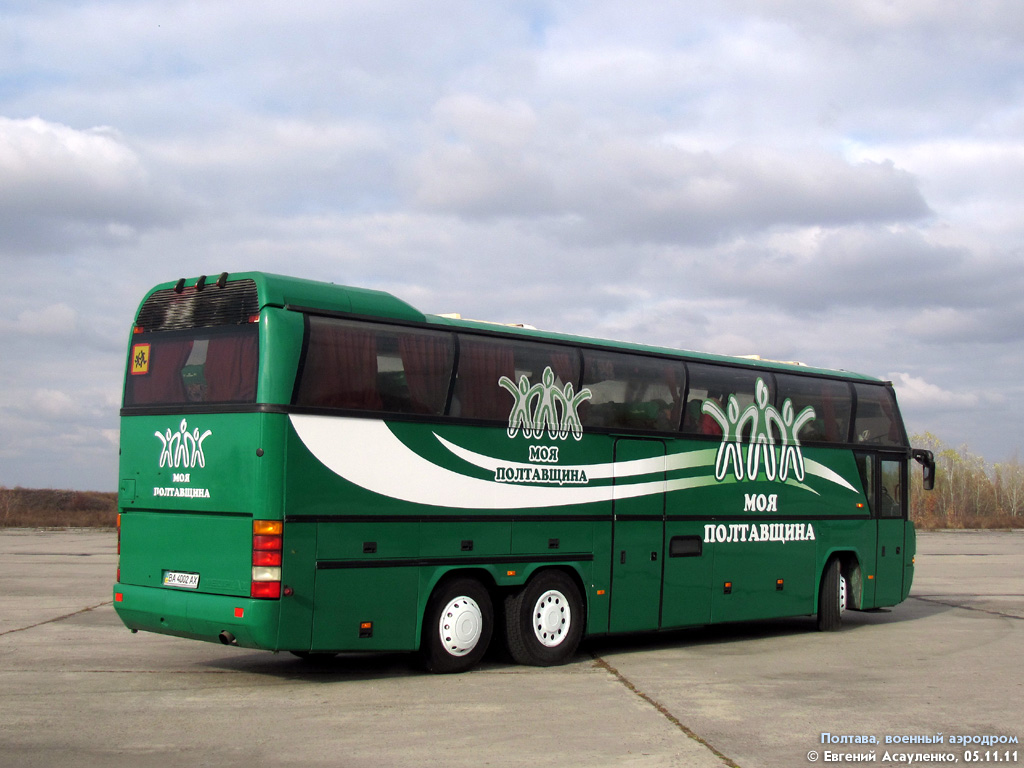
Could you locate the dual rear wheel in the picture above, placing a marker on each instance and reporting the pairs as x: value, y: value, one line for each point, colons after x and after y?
x: 543, y: 623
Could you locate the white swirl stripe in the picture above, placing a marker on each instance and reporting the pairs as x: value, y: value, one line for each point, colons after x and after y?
x: 367, y: 453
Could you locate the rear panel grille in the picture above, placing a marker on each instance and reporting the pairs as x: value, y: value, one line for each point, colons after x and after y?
x: 167, y: 310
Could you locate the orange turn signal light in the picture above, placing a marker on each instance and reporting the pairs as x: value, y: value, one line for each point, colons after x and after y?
x: 267, y: 527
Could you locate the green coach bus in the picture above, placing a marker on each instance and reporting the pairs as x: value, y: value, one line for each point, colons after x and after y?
x: 314, y: 468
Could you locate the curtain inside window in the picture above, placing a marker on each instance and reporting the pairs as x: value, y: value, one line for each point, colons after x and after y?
x: 231, y: 369
x: 340, y: 369
x: 481, y: 364
x: 427, y: 362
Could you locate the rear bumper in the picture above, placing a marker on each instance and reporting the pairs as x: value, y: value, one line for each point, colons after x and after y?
x: 253, y: 623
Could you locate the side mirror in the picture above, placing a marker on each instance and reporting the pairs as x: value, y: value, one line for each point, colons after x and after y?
x: 927, y: 461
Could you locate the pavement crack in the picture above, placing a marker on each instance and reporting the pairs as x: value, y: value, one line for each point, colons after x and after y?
x: 662, y: 710
x: 57, y: 618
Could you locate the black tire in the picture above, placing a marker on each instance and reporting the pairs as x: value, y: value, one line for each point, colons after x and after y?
x: 457, y: 643
x: 831, y: 597
x: 544, y: 621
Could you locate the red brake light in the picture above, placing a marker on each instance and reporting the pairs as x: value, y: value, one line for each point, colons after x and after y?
x: 266, y: 589
x: 266, y: 558
x: 266, y: 542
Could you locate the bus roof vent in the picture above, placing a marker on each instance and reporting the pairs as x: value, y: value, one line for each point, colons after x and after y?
x: 167, y: 310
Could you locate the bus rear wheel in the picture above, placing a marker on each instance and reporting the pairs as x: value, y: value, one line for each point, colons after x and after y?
x: 831, y: 597
x: 544, y: 620
x: 457, y: 626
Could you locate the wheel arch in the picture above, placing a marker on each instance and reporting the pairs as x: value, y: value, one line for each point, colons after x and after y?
x: 850, y: 568
x: 430, y: 584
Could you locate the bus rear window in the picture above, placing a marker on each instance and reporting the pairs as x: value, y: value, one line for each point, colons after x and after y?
x: 208, y: 365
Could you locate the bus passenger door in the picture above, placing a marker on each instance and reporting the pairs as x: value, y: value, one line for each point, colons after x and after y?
x: 891, y: 511
x: 638, y: 538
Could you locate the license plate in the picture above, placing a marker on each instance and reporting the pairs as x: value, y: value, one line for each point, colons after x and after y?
x: 181, y: 579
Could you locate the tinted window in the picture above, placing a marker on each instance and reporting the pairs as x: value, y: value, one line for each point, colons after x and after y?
x: 890, y: 502
x: 484, y: 362
x: 718, y: 386
x: 631, y: 391
x: 878, y: 421
x: 831, y: 402
x: 379, y: 368
x: 198, y: 366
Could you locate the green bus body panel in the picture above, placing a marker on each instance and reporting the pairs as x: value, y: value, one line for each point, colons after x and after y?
x: 376, y: 513
x: 890, y: 562
x: 199, y: 616
x: 638, y: 549
x: 195, y: 463
x: 188, y: 505
x: 280, y: 330
x: 218, y: 548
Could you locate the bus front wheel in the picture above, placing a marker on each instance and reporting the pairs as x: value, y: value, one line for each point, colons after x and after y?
x: 457, y: 626
x: 831, y: 597
x: 544, y: 620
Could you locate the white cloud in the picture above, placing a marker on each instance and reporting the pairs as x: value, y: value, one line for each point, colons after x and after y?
x: 915, y: 392
x: 52, y: 320
x: 836, y: 183
x: 62, y: 187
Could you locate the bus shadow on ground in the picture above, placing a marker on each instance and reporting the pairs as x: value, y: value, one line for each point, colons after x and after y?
x: 763, y: 629
x: 358, y: 667
x: 322, y: 668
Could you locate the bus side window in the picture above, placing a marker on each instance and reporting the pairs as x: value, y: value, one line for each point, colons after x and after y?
x: 340, y: 367
x: 632, y: 391
x: 831, y: 401
x: 890, y: 503
x: 414, y: 370
x: 483, y: 362
x: 718, y: 384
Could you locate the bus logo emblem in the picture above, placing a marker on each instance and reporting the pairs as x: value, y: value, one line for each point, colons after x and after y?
x: 183, y: 448
x: 544, y: 408
x: 763, y: 421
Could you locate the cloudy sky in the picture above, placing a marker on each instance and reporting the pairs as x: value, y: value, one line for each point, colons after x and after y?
x: 838, y: 183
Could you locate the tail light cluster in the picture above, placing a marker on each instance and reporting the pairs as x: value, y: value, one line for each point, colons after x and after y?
x: 119, y: 546
x: 267, y: 546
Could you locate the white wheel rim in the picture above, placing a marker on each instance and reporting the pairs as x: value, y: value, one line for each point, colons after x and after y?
x: 551, y: 618
x: 460, y: 626
x: 842, y: 594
